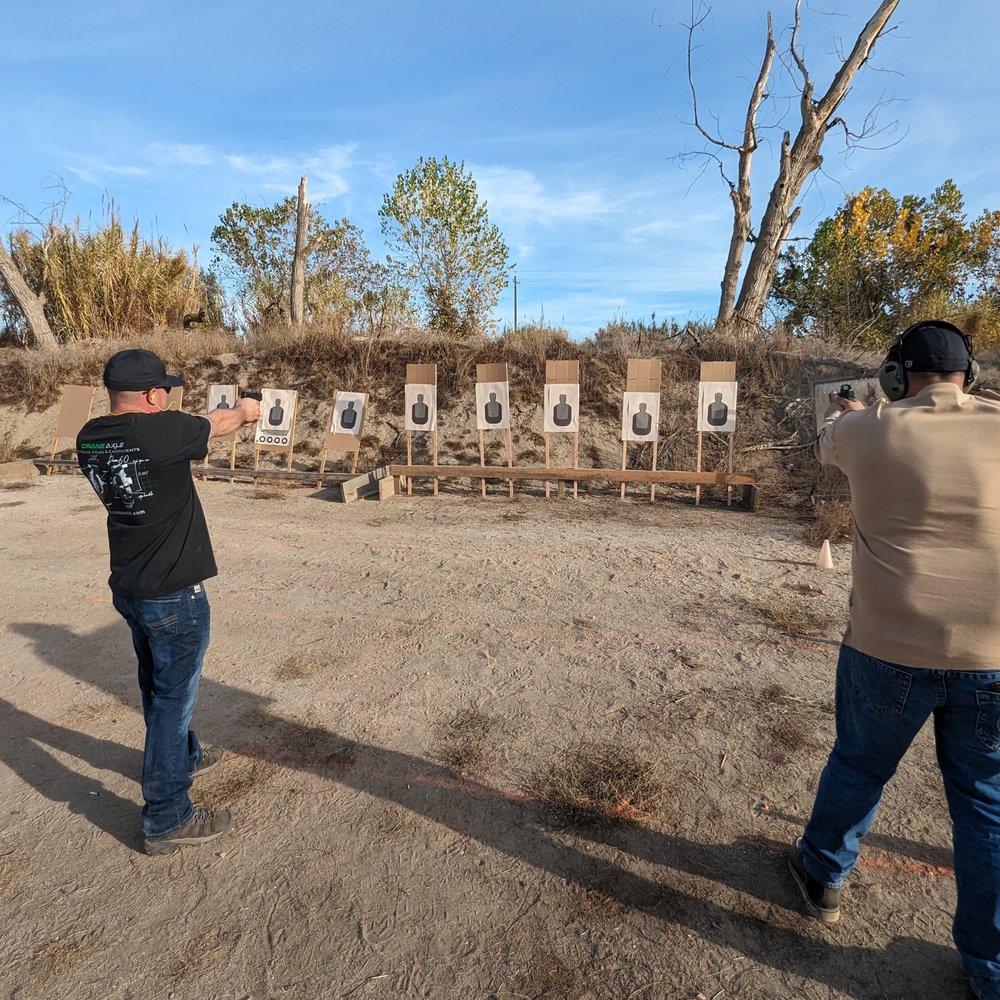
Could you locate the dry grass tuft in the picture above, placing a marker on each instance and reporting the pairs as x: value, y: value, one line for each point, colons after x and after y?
x: 59, y: 956
x: 10, y: 450
x: 299, y: 666
x: 602, y: 784
x: 237, y: 777
x: 271, y: 492
x: 22, y: 484
x: 791, y: 735
x: 460, y: 741
x: 792, y: 617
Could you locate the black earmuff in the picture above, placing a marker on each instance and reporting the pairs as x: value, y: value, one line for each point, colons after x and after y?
x: 892, y: 376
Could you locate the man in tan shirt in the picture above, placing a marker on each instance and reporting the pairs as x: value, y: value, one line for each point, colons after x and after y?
x: 924, y: 632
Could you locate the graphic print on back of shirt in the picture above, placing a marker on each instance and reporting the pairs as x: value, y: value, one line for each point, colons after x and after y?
x: 120, y: 476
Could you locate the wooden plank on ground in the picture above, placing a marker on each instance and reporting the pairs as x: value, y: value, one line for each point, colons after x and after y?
x: 387, y: 487
x: 25, y: 468
x: 598, y: 475
x: 367, y: 484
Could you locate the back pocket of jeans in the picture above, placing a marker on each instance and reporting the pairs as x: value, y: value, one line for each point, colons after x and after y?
x: 988, y: 719
x: 159, y: 617
x: 882, y: 686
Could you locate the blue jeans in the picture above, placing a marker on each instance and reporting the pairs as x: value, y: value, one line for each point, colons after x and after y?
x: 170, y: 636
x: 880, y: 709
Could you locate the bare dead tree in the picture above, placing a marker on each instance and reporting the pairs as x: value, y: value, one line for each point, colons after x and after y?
x: 742, y: 303
x: 30, y: 304
x: 297, y: 304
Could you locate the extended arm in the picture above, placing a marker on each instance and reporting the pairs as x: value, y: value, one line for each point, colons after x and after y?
x: 225, y: 422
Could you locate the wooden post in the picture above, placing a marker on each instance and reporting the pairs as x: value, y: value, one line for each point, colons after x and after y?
x: 409, y: 461
x: 624, y: 458
x: 697, y: 468
x: 729, y: 468
x: 434, y: 441
x: 510, y: 460
x: 547, y: 483
x: 482, y: 461
x: 652, y: 486
x: 576, y: 463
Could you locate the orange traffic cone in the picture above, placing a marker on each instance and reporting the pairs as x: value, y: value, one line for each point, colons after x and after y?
x: 825, y: 559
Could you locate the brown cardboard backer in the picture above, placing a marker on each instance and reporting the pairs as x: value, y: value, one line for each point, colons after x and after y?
x: 74, y: 409
x: 718, y: 371
x: 492, y: 373
x: 643, y: 375
x: 423, y: 374
x: 562, y: 371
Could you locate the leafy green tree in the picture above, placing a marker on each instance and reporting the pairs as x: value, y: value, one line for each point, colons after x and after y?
x: 880, y: 263
x: 254, y: 248
x: 441, y: 233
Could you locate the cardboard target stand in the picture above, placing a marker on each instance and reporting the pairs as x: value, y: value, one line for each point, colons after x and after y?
x: 275, y: 430
x: 223, y: 397
x: 75, y: 406
x: 716, y: 412
x: 561, y: 409
x: 493, y: 411
x: 641, y: 410
x: 347, y: 425
x: 420, y: 416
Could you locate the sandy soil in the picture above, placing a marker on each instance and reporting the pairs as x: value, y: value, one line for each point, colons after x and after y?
x: 386, y: 847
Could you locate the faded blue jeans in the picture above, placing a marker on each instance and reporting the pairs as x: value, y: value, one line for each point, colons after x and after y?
x: 170, y: 636
x: 880, y: 709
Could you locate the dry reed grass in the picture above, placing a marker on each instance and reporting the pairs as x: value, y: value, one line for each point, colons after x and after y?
x: 791, y: 616
x: 601, y: 784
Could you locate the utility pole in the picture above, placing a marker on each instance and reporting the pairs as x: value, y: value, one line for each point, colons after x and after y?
x: 515, y: 301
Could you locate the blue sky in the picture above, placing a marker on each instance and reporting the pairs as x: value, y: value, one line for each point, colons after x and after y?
x: 569, y: 115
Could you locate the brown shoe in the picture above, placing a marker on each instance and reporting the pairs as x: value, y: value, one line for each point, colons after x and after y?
x: 211, y: 758
x: 204, y: 826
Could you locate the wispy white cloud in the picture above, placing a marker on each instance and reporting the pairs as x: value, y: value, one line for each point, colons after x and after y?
x: 188, y: 154
x: 517, y: 196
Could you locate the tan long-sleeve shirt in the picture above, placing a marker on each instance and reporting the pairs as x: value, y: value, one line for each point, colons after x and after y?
x: 925, y: 486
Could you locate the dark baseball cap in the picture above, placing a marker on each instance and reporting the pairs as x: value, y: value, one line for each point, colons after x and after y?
x: 137, y: 371
x: 935, y: 347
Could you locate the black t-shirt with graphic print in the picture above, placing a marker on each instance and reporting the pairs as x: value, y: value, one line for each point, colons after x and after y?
x: 139, y: 465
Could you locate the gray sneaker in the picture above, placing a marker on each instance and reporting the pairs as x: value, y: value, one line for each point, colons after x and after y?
x: 211, y: 758
x: 821, y: 901
x: 203, y: 827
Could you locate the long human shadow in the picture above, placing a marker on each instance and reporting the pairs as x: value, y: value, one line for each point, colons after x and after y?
x: 515, y: 825
x: 23, y: 751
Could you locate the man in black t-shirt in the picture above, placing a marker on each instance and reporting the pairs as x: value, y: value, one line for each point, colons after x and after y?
x: 138, y: 459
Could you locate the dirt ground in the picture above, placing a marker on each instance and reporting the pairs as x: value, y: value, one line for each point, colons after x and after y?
x: 393, y: 682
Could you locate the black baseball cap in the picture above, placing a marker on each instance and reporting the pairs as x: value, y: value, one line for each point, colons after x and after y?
x: 137, y: 371
x: 935, y: 347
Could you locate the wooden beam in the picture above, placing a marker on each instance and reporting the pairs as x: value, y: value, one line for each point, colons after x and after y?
x: 224, y: 472
x: 600, y: 475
